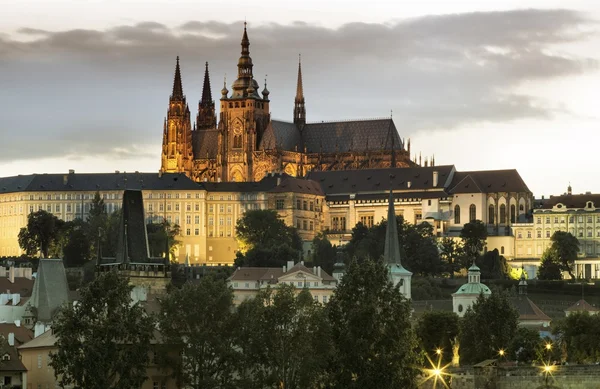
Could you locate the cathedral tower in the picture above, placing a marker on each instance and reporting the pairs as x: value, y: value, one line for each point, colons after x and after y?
x: 299, y: 108
x: 206, y: 119
x: 243, y: 120
x: 177, y: 155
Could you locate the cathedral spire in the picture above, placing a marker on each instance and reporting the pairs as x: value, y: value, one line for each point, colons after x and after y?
x: 206, y: 93
x: 177, y: 86
x: 299, y: 107
x: 391, y: 253
x: 245, y: 42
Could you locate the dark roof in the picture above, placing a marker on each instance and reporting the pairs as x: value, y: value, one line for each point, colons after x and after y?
x: 97, y: 181
x: 488, y: 181
x: 272, y: 273
x: 342, y: 182
x: 50, y: 290
x: 528, y: 310
x: 572, y: 201
x: 205, y: 142
x: 22, y: 286
x: 582, y: 305
x: 298, y: 185
x: 14, y: 363
x: 22, y: 334
x: 331, y: 137
x: 281, y: 135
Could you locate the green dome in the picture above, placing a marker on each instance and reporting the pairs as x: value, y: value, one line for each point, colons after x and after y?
x: 399, y: 269
x: 474, y: 288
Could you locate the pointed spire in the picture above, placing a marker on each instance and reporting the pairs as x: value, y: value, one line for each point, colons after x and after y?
x: 391, y: 253
x: 206, y: 93
x: 177, y: 86
x: 245, y: 41
x: 299, y: 108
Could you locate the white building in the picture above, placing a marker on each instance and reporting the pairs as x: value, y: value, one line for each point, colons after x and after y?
x: 467, y: 294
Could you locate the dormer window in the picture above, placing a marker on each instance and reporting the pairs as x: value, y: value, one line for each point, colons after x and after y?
x: 6, y: 357
x: 590, y: 204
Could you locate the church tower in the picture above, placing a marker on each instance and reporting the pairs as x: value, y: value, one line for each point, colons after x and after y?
x: 391, y: 253
x: 206, y: 119
x: 243, y: 120
x: 299, y: 108
x: 177, y: 155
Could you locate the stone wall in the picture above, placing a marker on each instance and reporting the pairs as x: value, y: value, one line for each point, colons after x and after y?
x: 529, y: 377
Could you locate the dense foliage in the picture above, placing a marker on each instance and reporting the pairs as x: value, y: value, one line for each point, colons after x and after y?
x: 103, y: 341
x: 579, y: 335
x: 438, y: 330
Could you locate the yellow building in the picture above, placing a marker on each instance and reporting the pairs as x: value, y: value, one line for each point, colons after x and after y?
x: 576, y: 214
x: 247, y: 282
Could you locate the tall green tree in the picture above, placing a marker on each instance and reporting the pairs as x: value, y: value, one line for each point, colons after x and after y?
x: 103, y: 341
x: 292, y: 339
x: 42, y: 230
x: 374, y: 343
x: 450, y: 252
x: 493, y: 266
x: 196, y: 320
x: 565, y: 247
x: 550, y: 268
x: 78, y: 247
x: 97, y: 222
x: 487, y: 327
x: 474, y: 235
x: 437, y: 330
x: 526, y: 346
x: 324, y: 254
x: 579, y: 334
x: 158, y: 236
x: 265, y: 240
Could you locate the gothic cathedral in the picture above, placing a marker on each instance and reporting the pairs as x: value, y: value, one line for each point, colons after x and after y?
x: 246, y: 144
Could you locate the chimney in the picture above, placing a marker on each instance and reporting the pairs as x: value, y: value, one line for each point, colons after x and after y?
x: 11, y: 274
x: 278, y: 181
x: 71, y: 171
x: 284, y: 269
x: 314, y: 270
x: 290, y: 264
x: 319, y: 271
x: 11, y: 339
x: 18, y: 323
x: 16, y: 299
x: 435, y: 178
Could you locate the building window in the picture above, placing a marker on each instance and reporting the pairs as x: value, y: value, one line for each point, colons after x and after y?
x: 367, y: 220
x: 237, y: 141
x: 501, y: 249
x: 547, y: 233
x: 472, y: 212
x: 513, y: 213
x: 196, y: 231
x: 197, y: 219
x: 589, y: 233
x: 457, y: 214
x: 298, y: 204
x: 539, y: 234
x: 279, y: 204
x: 589, y: 219
x: 188, y: 231
x: 528, y: 234
x: 188, y: 207
x: 221, y: 208
x: 304, y: 225
x: 312, y: 206
x: 39, y: 361
x: 298, y: 224
x: 188, y: 219
x: 197, y: 207
x: 311, y: 226
x: 521, y: 208
x: 547, y: 220
x: 519, y: 235
x: 491, y: 212
x: 555, y: 219
x: 305, y: 205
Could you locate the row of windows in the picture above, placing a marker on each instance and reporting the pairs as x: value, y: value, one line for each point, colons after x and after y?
x: 305, y: 225
x: 338, y: 223
x: 491, y: 213
x: 580, y: 219
x: 589, y: 233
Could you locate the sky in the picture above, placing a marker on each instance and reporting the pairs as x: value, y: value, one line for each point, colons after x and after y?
x: 84, y: 84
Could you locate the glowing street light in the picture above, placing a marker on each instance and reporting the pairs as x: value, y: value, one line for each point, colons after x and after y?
x: 438, y: 351
x: 548, y: 346
x: 501, y: 352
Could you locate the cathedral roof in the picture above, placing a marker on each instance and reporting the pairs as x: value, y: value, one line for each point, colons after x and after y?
x: 331, y: 137
x: 298, y: 185
x: 205, y: 142
x: 488, y: 181
x: 96, y: 181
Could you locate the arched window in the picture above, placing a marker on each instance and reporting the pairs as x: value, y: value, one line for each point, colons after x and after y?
x: 491, y: 212
x: 501, y: 249
x: 513, y: 212
x: 237, y: 141
x: 457, y: 214
x: 521, y: 208
x: 472, y: 213
x: 502, y: 213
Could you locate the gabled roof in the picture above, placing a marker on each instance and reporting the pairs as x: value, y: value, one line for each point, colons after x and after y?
x: 50, y: 290
x: 22, y: 334
x: 14, y: 363
x: 281, y: 135
x: 380, y: 181
x: 22, y: 286
x: 528, y: 311
x: 488, y: 181
x: 272, y: 273
x: 97, y: 181
x: 581, y: 306
x: 205, y: 143
x: 571, y: 201
x: 47, y: 339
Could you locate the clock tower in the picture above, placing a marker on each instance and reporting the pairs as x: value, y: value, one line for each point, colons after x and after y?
x: 243, y: 120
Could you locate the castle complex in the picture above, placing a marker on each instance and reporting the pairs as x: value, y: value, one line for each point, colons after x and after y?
x: 246, y: 144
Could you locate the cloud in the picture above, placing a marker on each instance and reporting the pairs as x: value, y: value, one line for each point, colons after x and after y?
x: 104, y: 92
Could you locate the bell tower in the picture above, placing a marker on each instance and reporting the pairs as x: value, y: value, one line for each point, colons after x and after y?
x: 177, y: 154
x: 243, y: 119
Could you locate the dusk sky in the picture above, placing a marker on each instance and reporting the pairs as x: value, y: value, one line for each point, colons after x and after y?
x: 84, y: 84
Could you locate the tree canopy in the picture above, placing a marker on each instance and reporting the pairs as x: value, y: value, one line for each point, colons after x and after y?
x: 42, y: 230
x: 579, y: 335
x: 438, y: 330
x: 487, y: 327
x: 550, y: 268
x: 374, y: 343
x: 474, y: 235
x: 103, y: 341
x: 565, y: 248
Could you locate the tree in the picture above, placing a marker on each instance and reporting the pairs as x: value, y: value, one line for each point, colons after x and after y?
x: 290, y: 346
x: 487, y: 327
x: 197, y: 320
x: 526, y: 346
x: 103, y: 341
x: 493, y: 266
x: 374, y: 343
x: 110, y: 239
x: 97, y: 221
x: 436, y: 330
x: 549, y: 267
x: 264, y: 240
x: 323, y: 253
x: 77, y: 250
x: 41, y: 231
x: 158, y: 234
x: 565, y: 247
x: 579, y: 334
x: 451, y: 251
x: 474, y: 235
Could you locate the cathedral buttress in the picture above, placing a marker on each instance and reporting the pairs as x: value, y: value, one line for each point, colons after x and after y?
x: 244, y: 118
x: 177, y: 154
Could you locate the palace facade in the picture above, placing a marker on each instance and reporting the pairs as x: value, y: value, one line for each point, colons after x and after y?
x: 245, y: 143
